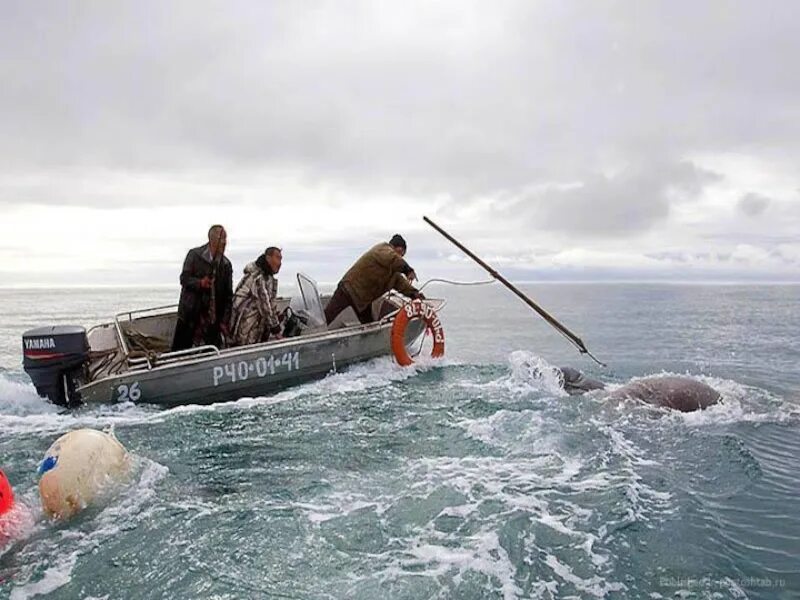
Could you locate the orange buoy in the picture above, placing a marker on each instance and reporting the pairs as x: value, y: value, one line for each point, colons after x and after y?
x: 6, y: 494
x: 16, y: 519
x: 416, y: 309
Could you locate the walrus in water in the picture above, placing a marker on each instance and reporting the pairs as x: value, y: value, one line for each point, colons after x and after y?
x: 679, y: 393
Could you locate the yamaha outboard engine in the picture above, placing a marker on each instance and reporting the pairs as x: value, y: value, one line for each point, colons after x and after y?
x: 54, y: 358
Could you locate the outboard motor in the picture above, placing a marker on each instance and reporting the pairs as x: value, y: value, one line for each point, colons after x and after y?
x: 53, y: 357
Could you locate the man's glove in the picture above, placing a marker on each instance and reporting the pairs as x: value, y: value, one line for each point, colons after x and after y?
x: 417, y: 296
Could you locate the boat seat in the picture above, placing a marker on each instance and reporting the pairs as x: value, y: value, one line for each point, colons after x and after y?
x: 346, y: 318
x: 146, y: 343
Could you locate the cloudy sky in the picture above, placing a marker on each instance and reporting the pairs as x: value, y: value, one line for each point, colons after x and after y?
x: 561, y: 140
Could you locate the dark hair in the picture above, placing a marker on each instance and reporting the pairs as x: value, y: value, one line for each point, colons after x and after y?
x: 272, y: 250
x: 398, y: 241
x: 212, y: 229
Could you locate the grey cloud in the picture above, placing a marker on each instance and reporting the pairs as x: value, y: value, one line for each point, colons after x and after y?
x: 417, y: 98
x: 629, y: 202
x: 681, y: 273
x: 148, y: 103
x: 781, y: 254
x: 753, y: 204
x: 681, y: 257
x: 755, y: 239
x: 110, y: 189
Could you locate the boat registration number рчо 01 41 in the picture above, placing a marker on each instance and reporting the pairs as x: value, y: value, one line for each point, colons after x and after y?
x: 242, y: 370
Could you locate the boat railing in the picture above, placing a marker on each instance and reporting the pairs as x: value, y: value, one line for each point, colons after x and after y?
x: 149, y: 359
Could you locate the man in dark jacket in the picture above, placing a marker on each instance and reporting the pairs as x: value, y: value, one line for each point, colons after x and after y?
x: 204, y: 310
x: 380, y: 269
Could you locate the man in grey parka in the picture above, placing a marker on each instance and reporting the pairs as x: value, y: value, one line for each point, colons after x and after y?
x: 255, y: 317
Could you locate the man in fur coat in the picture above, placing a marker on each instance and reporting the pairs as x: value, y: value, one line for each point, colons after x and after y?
x: 255, y: 315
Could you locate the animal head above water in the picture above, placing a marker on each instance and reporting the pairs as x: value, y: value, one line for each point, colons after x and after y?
x: 679, y: 393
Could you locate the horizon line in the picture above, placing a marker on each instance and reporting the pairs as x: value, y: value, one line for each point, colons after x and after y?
x: 164, y: 286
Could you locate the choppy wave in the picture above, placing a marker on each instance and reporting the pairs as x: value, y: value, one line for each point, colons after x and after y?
x: 54, y: 558
x: 20, y: 399
x: 23, y: 411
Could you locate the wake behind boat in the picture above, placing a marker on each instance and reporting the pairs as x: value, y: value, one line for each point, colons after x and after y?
x: 129, y: 359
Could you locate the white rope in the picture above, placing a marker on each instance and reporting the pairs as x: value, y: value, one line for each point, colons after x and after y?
x: 416, y: 353
x: 451, y: 282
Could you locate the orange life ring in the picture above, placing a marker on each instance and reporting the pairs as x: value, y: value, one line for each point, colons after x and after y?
x: 416, y: 309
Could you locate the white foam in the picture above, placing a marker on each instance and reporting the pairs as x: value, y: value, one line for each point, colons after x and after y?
x: 54, y: 577
x: 644, y: 503
x: 517, y: 485
x: 535, y: 475
x: 741, y: 404
x: 509, y: 429
x: 531, y: 372
x: 510, y: 485
x: 21, y: 399
x: 594, y: 586
x: 47, y: 424
x: 373, y: 374
x: 320, y: 513
x: 46, y: 418
x: 22, y: 411
x: 528, y: 373
x: 482, y: 553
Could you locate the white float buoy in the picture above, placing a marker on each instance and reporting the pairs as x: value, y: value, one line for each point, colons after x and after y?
x: 78, y: 466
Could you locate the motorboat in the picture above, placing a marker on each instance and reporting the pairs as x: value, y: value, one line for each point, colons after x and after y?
x: 129, y: 359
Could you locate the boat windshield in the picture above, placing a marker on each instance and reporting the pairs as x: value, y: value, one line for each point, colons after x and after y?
x: 311, y: 300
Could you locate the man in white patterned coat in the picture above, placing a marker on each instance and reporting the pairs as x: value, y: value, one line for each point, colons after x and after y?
x: 255, y: 316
